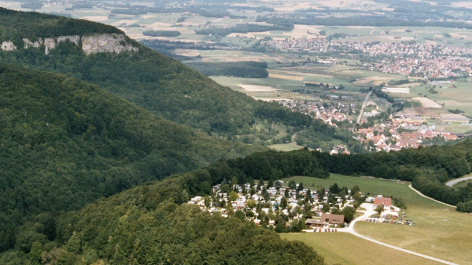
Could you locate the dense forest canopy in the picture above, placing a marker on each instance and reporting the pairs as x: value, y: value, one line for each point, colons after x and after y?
x: 427, y: 168
x: 146, y: 222
x: 65, y: 143
x: 151, y: 80
x: 237, y: 69
x: 146, y: 225
x: 14, y: 26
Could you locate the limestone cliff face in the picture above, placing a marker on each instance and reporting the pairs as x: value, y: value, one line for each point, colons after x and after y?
x: 50, y: 43
x: 111, y: 43
x: 34, y: 44
x: 8, y: 46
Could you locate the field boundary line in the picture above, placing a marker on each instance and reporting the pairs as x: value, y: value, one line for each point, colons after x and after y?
x: 421, y: 194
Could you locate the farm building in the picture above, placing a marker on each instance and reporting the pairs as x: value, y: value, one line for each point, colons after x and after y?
x: 379, y: 200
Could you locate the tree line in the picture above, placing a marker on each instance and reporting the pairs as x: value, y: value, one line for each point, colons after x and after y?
x: 161, y: 33
x: 428, y: 168
x: 243, y: 28
x: 237, y: 69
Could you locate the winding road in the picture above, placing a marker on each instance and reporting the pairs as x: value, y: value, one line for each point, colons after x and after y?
x: 369, y: 211
x: 451, y: 183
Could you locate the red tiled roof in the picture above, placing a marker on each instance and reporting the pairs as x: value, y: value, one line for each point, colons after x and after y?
x: 383, y: 201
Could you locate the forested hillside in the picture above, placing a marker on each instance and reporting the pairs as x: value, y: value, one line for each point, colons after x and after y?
x: 14, y: 26
x: 152, y: 222
x: 65, y: 143
x: 151, y: 80
x: 146, y: 225
x: 427, y: 168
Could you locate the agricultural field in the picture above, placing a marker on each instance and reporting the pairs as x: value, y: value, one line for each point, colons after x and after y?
x: 344, y: 248
x: 439, y: 232
x: 279, y: 88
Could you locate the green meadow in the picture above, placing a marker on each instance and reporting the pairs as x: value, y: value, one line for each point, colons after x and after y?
x: 344, y: 248
x: 439, y: 231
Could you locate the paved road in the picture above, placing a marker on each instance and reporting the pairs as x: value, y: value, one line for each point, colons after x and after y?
x: 363, y: 106
x: 370, y: 210
x: 455, y: 181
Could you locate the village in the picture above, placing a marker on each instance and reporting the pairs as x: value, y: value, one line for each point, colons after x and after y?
x: 404, y: 58
x: 328, y: 112
x: 401, y: 130
x: 294, y: 208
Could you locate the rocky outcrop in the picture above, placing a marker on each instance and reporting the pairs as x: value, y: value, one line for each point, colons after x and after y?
x: 74, y: 39
x: 49, y: 44
x: 8, y: 46
x: 28, y: 43
x: 113, y: 43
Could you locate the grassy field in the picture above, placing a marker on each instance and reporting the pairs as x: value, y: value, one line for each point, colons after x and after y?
x: 286, y: 147
x: 455, y: 95
x: 351, y: 77
x: 283, y: 87
x: 344, y: 248
x: 439, y: 232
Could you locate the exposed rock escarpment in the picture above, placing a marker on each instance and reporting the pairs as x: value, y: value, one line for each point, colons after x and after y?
x: 8, y: 46
x: 111, y: 43
x: 114, y: 43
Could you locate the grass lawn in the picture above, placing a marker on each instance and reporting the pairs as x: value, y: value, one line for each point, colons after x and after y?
x: 286, y: 147
x: 344, y: 248
x: 439, y: 232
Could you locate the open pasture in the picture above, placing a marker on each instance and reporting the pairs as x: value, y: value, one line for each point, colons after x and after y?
x: 427, y: 103
x: 344, y: 248
x: 280, y: 88
x: 351, y: 77
x: 372, y: 81
x: 286, y: 147
x: 457, y: 95
x: 439, y: 231
x: 287, y: 77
